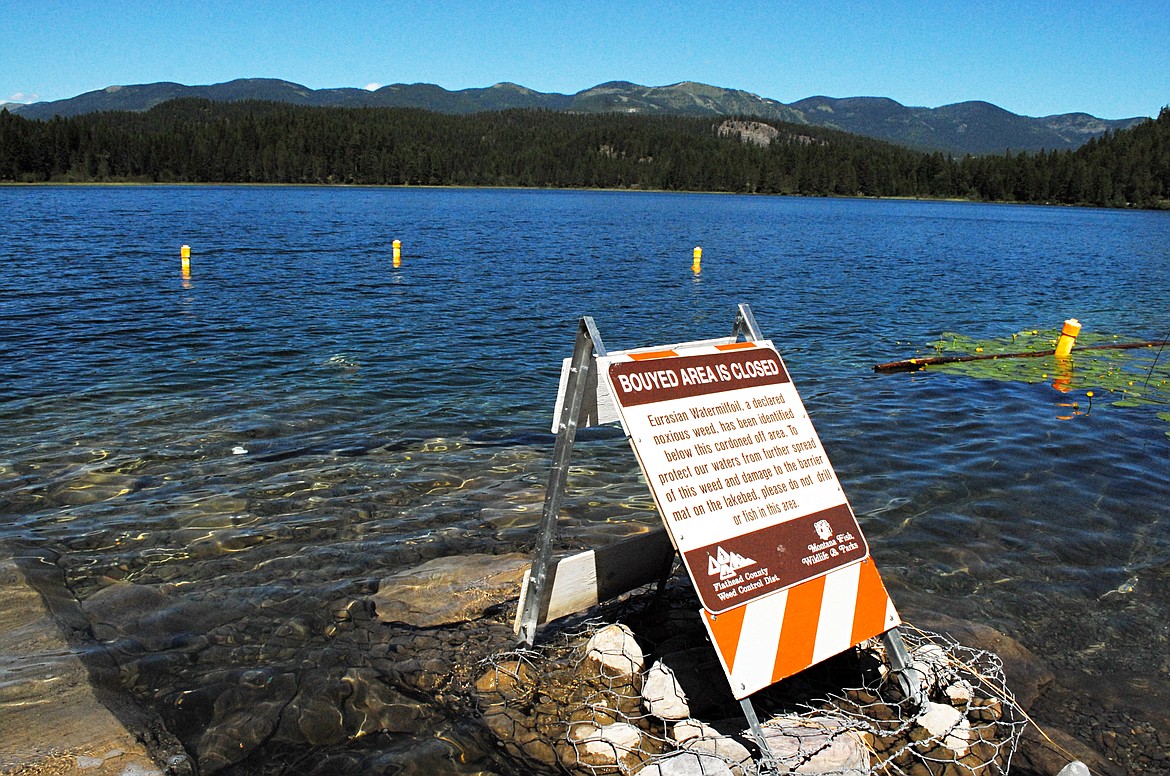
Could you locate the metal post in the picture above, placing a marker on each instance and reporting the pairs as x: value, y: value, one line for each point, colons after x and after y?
x: 745, y: 323
x: 768, y: 763
x: 588, y: 342
x: 909, y: 677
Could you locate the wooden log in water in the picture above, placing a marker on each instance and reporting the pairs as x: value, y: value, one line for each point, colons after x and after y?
x: 914, y: 364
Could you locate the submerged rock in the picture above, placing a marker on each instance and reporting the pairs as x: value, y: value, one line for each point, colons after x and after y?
x: 450, y: 590
x: 148, y: 617
x: 510, y: 680
x: 245, y: 716
x: 316, y: 707
x: 1049, y: 754
x: 374, y: 707
x: 1026, y: 674
x: 315, y: 715
x: 583, y: 702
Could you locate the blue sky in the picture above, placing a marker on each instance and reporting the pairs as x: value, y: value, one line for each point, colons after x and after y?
x: 1111, y: 59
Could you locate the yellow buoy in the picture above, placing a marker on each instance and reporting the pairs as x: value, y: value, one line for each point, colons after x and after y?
x: 397, y: 244
x: 185, y: 258
x: 697, y: 264
x: 1068, y: 337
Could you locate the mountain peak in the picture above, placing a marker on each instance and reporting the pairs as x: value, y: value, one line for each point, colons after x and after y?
x: 974, y: 127
x: 611, y: 85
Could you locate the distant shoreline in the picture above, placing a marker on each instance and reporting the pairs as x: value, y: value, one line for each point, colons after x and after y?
x: 1164, y: 206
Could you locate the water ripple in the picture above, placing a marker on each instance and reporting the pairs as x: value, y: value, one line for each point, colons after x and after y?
x: 299, y: 417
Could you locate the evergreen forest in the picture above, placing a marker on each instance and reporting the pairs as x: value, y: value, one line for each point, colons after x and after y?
x: 198, y: 141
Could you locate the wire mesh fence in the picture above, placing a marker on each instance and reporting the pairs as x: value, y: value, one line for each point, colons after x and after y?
x: 591, y: 702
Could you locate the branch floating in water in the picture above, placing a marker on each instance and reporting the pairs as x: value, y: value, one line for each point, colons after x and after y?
x: 915, y: 364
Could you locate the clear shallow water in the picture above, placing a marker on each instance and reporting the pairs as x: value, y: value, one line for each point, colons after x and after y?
x: 392, y: 416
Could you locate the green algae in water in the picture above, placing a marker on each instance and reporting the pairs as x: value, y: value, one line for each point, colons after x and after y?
x: 1131, y: 377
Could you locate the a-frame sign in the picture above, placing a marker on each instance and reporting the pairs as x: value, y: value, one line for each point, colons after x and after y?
x: 746, y: 493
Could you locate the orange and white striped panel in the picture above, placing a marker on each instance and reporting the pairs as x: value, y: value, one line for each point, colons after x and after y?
x: 774, y: 637
x: 704, y: 346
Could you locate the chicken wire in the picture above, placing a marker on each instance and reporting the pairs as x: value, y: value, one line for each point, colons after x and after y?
x: 557, y: 709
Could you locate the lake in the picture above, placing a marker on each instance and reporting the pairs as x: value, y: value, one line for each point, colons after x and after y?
x: 298, y: 418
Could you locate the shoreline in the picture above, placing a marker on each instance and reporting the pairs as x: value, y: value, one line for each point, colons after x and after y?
x: 1162, y: 207
x: 58, y: 715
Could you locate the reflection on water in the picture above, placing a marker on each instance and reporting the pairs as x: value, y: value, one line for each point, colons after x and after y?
x: 224, y: 466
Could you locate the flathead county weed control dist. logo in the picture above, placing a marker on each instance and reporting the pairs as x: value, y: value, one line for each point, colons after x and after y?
x: 727, y: 564
x: 823, y: 529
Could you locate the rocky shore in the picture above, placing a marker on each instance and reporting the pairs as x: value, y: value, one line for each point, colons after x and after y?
x: 341, y: 686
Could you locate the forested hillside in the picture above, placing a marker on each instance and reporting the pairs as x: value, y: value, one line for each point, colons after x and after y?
x: 972, y: 127
x: 194, y: 140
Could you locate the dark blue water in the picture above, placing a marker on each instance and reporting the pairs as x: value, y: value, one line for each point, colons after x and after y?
x: 299, y: 398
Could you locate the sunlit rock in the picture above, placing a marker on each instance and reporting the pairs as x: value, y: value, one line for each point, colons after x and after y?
x: 703, y: 739
x: 662, y: 695
x: 959, y: 694
x: 687, y: 764
x: 613, y: 653
x: 946, y: 725
x: 686, y: 729
x: 817, y: 745
x: 615, y: 748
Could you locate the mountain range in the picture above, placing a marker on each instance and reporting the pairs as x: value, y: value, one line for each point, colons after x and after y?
x: 961, y: 128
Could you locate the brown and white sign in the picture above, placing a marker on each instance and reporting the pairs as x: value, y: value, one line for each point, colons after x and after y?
x: 735, y: 467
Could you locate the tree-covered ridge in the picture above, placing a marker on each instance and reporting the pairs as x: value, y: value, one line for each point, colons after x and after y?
x: 972, y: 127
x: 194, y: 140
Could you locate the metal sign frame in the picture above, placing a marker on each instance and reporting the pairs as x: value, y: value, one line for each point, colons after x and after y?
x: 587, y: 347
x: 588, y: 344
